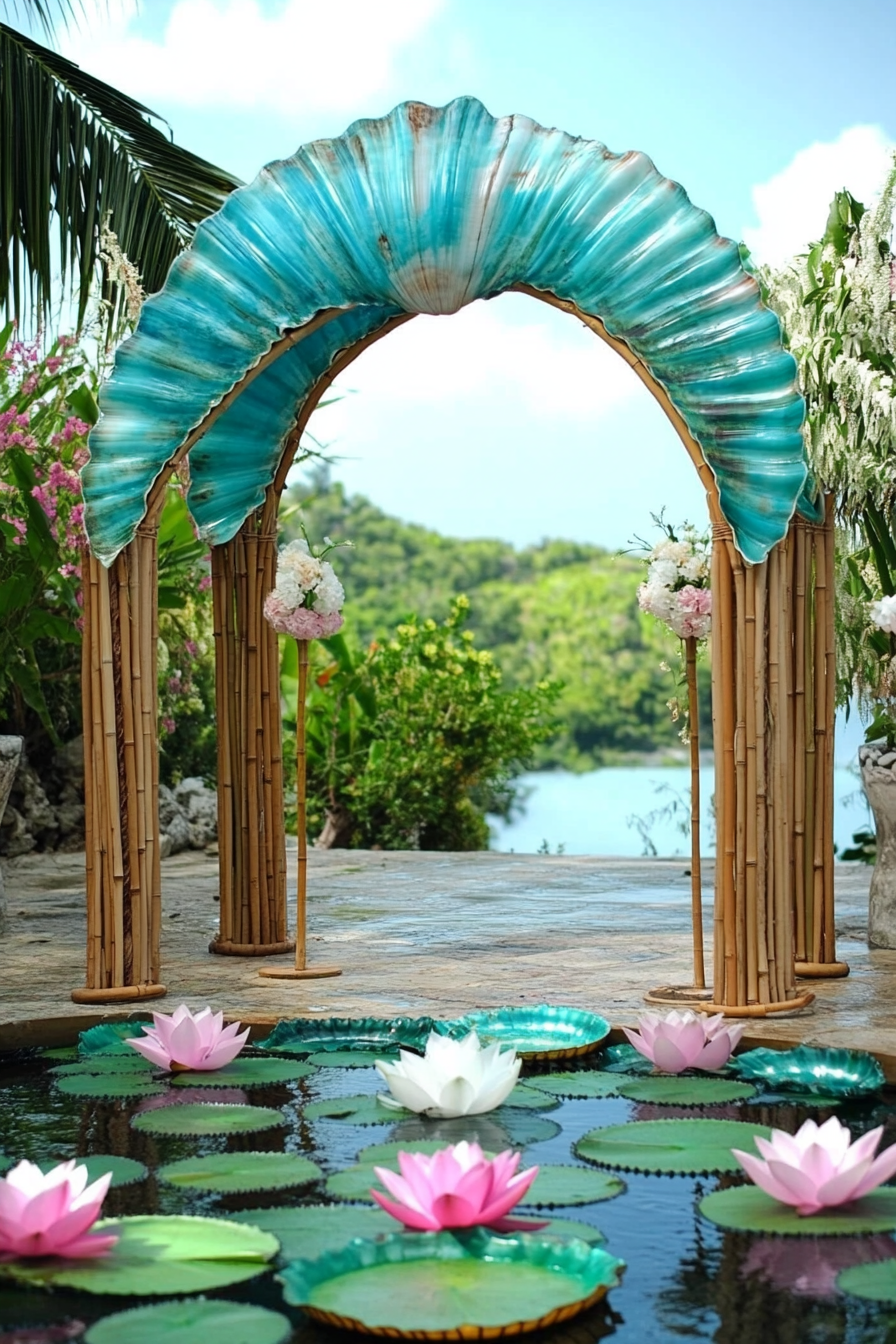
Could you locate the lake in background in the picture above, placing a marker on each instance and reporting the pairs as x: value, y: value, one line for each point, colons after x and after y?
x: 609, y: 811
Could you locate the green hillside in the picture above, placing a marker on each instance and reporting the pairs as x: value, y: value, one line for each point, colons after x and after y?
x: 561, y: 609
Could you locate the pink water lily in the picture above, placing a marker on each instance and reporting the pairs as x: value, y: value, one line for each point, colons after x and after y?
x: 818, y: 1167
x: 685, y: 1040
x: 188, y: 1041
x: 51, y: 1214
x: 456, y: 1187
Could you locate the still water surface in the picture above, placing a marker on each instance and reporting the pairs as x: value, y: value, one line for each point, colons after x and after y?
x: 612, y: 811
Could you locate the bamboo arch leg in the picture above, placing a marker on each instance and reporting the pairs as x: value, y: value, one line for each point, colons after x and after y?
x: 251, y: 840
x: 752, y: 630
x: 301, y: 970
x: 120, y: 788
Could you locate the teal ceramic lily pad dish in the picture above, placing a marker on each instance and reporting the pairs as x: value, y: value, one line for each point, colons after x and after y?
x: 439, y: 1286
x: 547, y: 1031
x: 812, y: 1071
x: 308, y: 1035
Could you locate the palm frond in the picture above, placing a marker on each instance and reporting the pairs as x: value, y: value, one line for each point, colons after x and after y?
x: 43, y: 12
x: 74, y: 148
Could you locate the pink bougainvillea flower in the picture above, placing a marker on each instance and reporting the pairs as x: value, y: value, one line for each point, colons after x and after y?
x: 456, y: 1187
x: 301, y: 622
x: 185, y: 1041
x: 818, y: 1167
x: 51, y: 1214
x: 684, y: 1040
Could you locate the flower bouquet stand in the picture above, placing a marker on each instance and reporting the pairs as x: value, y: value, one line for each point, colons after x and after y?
x: 677, y: 593
x: 305, y: 604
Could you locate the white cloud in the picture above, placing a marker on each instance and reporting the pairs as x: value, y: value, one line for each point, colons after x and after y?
x: 546, y: 365
x: 242, y: 54
x: 792, y: 207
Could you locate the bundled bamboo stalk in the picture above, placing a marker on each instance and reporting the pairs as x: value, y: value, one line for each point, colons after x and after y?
x: 251, y: 843
x: 121, y: 786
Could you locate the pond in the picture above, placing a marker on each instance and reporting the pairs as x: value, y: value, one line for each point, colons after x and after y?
x: 686, y: 1278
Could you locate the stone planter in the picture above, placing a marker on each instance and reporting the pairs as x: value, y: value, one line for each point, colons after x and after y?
x: 10, y: 755
x: 878, y: 766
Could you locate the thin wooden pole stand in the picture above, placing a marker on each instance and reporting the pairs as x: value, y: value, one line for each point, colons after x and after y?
x: 685, y: 995
x: 301, y: 970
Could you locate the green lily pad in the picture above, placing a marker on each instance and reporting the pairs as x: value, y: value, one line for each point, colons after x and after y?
x: 361, y: 1110
x: 524, y: 1097
x: 307, y: 1035
x: 105, y: 1064
x: 745, y: 1208
x: 308, y: 1230
x: 554, y: 1186
x: 587, y: 1083
x: 202, y: 1117
x: 494, y: 1132
x: 190, y: 1322
x: 125, y: 1170
x: 232, y: 1173
x: 674, y: 1090
x: 676, y: 1147
x: 250, y: 1072
x: 350, y: 1059
x: 877, y: 1282
x: 408, y: 1284
x: 59, y: 1053
x: 109, y: 1086
x: 159, y: 1255
x: 108, y: 1038
x: 561, y: 1186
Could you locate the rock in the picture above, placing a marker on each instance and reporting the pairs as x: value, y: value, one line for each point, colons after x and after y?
x: 10, y: 754
x: 173, y: 824
x: 880, y: 790
x: 887, y: 760
x: 15, y: 837
x: 200, y: 804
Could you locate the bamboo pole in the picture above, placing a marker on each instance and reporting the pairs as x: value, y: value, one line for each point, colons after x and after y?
x: 749, y: 800
x: 727, y: 837
x: 740, y: 768
x: 802, y: 558
x: 768, y: 989
x: 690, y: 646
x: 301, y: 970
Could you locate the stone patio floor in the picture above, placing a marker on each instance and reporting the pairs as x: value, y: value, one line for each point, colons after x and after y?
x: 429, y: 933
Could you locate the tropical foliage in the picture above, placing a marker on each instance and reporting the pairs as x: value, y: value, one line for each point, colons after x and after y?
x: 77, y: 157
x: 838, y: 308
x: 412, y: 741
x: 561, y: 611
x: 47, y: 405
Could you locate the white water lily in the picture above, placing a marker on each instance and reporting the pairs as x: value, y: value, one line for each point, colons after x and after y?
x: 453, y: 1077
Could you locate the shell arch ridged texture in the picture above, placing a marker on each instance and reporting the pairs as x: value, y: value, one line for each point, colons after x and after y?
x: 424, y: 211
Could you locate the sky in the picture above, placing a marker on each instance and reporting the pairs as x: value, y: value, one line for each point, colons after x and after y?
x: 509, y: 419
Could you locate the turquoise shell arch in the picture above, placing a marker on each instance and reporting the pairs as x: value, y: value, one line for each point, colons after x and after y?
x: 424, y: 211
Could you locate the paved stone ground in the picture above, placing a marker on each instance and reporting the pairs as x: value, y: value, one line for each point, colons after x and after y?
x: 429, y: 933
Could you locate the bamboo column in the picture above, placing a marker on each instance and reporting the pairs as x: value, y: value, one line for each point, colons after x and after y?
x: 816, y: 956
x: 251, y: 836
x: 301, y: 970
x: 119, y: 695
x: 753, y: 699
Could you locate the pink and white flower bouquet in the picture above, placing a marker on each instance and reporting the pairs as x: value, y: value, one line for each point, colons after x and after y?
x: 677, y: 588
x: 307, y: 598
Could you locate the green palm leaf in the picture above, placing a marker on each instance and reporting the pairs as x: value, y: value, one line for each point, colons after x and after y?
x: 74, y: 150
